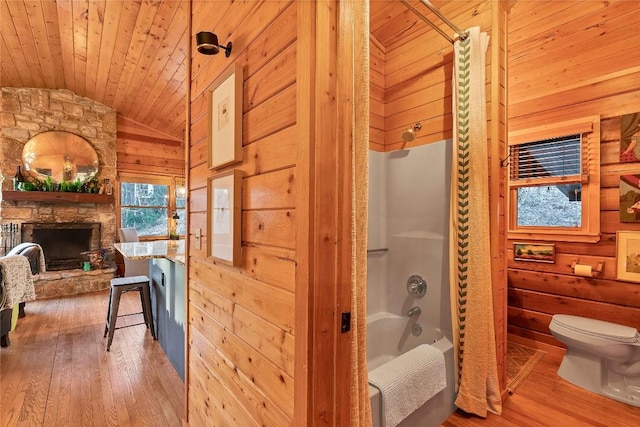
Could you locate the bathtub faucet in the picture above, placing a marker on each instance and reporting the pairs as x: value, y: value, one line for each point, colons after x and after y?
x: 414, y: 311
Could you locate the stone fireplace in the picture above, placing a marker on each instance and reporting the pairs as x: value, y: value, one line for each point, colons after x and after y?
x: 63, y: 243
x: 27, y: 112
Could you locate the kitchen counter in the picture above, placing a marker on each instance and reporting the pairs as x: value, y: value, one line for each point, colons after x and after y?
x: 173, y: 250
x: 168, y: 306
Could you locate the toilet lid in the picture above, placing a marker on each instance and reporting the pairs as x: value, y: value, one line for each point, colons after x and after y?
x: 597, y: 328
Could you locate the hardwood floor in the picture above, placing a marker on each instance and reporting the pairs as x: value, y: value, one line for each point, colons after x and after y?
x: 546, y: 400
x: 57, y: 373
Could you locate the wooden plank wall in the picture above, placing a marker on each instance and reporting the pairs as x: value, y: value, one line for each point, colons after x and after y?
x: 573, y: 59
x: 417, y: 76
x: 376, y: 94
x: 141, y: 149
x: 497, y: 128
x: 241, y: 320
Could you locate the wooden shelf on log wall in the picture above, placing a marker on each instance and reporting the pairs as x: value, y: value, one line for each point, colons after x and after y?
x: 55, y: 197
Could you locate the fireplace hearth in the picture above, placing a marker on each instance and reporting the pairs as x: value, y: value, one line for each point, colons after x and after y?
x: 63, y: 243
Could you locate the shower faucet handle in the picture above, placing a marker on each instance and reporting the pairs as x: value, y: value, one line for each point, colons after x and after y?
x: 417, y: 286
x: 414, y: 311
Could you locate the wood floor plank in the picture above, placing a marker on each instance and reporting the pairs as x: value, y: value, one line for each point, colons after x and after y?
x: 58, y: 358
x: 546, y: 400
x: 57, y: 371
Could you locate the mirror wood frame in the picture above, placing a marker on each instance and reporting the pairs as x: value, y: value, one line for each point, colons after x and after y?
x: 60, y: 155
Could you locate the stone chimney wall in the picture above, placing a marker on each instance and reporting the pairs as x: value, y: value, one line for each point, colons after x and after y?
x: 27, y: 112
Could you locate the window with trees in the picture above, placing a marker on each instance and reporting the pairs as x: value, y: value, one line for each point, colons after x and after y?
x: 181, y: 206
x: 554, y: 182
x: 149, y: 204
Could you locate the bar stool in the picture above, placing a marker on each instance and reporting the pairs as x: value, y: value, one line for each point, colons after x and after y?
x: 120, y: 285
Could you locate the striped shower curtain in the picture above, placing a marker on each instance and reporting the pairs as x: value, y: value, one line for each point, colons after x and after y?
x: 360, y: 404
x: 470, y: 260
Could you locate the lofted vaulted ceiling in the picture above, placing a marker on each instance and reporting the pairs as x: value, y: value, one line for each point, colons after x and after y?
x: 129, y: 55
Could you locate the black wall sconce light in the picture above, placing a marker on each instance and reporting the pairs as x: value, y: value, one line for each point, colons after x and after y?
x: 207, y: 43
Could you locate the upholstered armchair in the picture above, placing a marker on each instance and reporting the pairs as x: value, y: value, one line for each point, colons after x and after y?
x: 132, y: 267
x: 20, y: 263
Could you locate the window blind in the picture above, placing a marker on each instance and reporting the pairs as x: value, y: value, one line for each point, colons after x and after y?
x: 551, y: 158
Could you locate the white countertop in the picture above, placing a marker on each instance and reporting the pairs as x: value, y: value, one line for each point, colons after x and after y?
x: 173, y: 250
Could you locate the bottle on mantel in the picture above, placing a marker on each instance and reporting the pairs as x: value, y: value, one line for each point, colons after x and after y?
x: 17, y: 179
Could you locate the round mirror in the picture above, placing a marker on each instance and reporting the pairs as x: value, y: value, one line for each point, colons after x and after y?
x: 63, y: 156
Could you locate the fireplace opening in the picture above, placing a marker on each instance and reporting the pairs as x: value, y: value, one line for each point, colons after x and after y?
x: 63, y: 243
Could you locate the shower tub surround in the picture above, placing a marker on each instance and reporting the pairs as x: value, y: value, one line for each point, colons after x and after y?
x: 399, y: 340
x: 408, y: 235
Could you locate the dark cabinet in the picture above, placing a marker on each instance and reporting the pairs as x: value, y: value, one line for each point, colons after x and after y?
x: 169, y: 309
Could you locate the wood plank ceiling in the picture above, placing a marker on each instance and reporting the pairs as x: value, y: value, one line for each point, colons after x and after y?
x: 392, y: 23
x: 129, y: 55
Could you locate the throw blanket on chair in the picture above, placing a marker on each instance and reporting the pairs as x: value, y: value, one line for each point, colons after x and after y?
x: 34, y: 254
x: 17, y: 282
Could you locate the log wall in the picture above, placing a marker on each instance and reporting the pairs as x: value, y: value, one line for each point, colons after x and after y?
x: 567, y: 60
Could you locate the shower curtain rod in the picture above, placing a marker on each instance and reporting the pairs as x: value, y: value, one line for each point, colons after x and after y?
x: 462, y: 34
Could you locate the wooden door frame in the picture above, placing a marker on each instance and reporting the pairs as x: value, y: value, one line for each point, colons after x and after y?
x: 327, y: 31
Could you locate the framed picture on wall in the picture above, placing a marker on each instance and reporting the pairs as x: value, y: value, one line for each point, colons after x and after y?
x: 223, y: 217
x: 628, y: 255
x: 630, y: 198
x: 225, y: 118
x: 630, y: 138
x: 536, y: 252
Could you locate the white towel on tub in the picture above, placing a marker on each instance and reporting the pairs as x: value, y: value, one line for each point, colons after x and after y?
x: 408, y: 381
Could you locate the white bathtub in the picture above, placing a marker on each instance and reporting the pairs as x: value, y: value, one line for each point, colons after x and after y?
x: 391, y: 336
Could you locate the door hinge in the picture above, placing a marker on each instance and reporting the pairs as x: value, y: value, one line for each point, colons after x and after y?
x: 346, y: 322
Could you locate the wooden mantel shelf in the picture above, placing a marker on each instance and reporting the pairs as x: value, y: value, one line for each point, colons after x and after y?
x: 55, y: 196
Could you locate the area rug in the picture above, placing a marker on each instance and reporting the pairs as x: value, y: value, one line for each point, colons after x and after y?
x: 520, y: 362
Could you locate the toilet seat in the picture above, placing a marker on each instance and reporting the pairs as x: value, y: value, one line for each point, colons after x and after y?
x: 595, y: 328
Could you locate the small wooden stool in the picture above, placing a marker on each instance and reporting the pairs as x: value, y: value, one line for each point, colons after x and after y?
x: 120, y: 285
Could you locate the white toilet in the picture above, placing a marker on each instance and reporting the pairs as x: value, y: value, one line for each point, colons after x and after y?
x: 601, y: 357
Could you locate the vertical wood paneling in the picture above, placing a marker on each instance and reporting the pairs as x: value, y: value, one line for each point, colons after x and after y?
x: 135, y: 49
x: 497, y: 200
x: 96, y: 13
x: 126, y: 32
x: 158, y: 62
x: 170, y: 81
x: 80, y: 12
x: 594, y: 37
x: 305, y: 131
x: 111, y: 19
x: 14, y: 63
x: 26, y: 47
x: 35, y: 12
